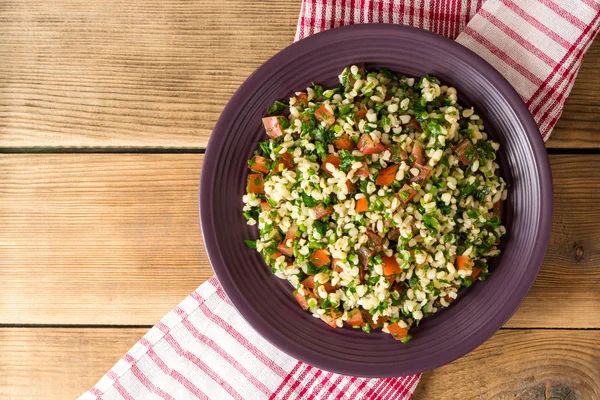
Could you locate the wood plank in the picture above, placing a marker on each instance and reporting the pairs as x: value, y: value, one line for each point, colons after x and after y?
x: 530, y: 364
x: 58, y: 363
x: 114, y: 239
x: 129, y: 73
x: 154, y: 74
x: 98, y: 239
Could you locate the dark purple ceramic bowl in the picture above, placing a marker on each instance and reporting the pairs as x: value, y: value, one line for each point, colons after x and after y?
x: 266, y: 302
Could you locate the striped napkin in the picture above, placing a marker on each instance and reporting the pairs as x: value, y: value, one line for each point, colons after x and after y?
x: 204, y: 349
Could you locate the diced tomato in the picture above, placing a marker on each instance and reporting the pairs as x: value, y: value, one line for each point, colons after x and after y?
x: 265, y: 206
x: 274, y: 256
x: 259, y: 164
x: 362, y: 205
x: 274, y: 126
x: 256, y: 183
x: 399, y: 287
x: 406, y: 189
x: 360, y: 114
x: 464, y: 263
x: 301, y: 100
x: 286, y: 160
x: 288, y: 251
x: 322, y: 212
x: 387, y: 176
x: 369, y: 319
x: 496, y: 209
x: 475, y: 272
x: 418, y: 154
x: 320, y: 258
x: 415, y: 124
x: 422, y: 176
x: 334, y: 265
x: 366, y: 145
x: 364, y: 254
x: 323, y: 114
x: 355, y: 318
x: 394, y: 234
x: 344, y: 143
x: 465, y: 152
x: 361, y: 273
x: 290, y: 235
x: 397, y: 332
x: 375, y: 242
x: 363, y: 171
x: 390, y: 266
x: 330, y: 316
x: 398, y: 153
x: 309, y: 282
x: 351, y: 187
x: 303, y: 299
x: 333, y: 160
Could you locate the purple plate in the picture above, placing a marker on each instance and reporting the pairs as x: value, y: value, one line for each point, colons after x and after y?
x: 266, y: 301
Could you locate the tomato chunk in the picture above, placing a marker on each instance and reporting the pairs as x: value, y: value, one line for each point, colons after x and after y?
x: 464, y: 263
x: 397, y: 332
x: 274, y: 126
x: 369, y: 319
x: 355, y: 318
x: 301, y: 100
x: 265, y: 206
x: 322, y: 212
x: 362, y: 205
x: 465, y: 152
x: 475, y: 272
x: 286, y: 160
x: 323, y: 114
x: 363, y: 171
x: 360, y: 114
x: 406, y: 193
x: 375, y: 242
x: 418, y: 154
x: 256, y: 183
x: 421, y: 177
x: 415, y: 124
x: 290, y: 235
x: 333, y: 160
x: 319, y: 258
x: 398, y: 154
x: 330, y: 316
x: 303, y: 298
x: 259, y: 164
x: 366, y: 145
x: 390, y: 266
x: 344, y: 143
x: 334, y: 265
x: 387, y: 176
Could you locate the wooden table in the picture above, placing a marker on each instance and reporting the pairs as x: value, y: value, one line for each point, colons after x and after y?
x: 105, y: 111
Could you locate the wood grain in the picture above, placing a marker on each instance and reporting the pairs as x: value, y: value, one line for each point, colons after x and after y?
x: 58, y: 363
x: 129, y: 73
x: 532, y: 364
x: 98, y: 239
x: 157, y: 74
x: 525, y: 365
x: 114, y: 239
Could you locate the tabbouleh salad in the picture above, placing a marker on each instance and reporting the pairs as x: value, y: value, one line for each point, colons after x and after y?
x: 377, y: 200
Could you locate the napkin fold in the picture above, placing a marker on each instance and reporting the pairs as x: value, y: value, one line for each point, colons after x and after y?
x: 204, y: 349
